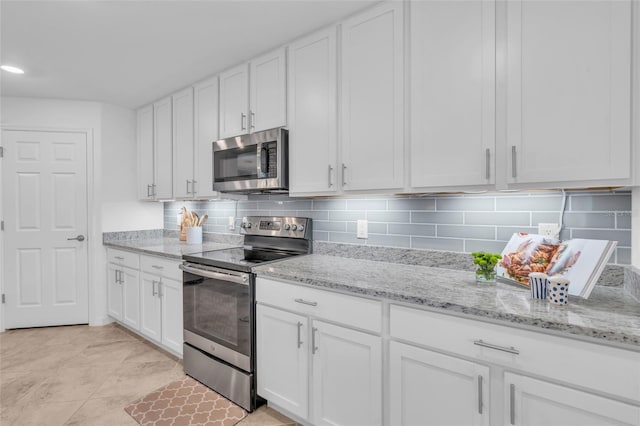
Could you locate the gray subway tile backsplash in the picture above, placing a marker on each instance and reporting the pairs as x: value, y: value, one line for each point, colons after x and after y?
x: 440, y: 222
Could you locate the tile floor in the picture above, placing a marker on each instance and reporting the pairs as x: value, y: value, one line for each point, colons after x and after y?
x: 81, y: 375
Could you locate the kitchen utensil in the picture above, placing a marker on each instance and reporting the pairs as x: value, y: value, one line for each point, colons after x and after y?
x: 558, y: 291
x: 538, y: 283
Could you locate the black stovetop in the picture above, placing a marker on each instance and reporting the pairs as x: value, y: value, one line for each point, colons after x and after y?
x: 238, y: 258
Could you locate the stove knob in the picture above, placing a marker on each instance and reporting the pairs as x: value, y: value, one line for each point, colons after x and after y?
x: 294, y: 227
x: 243, y: 225
x: 287, y: 226
x: 301, y: 228
x: 249, y: 225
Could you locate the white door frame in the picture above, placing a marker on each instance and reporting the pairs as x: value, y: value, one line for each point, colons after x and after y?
x: 92, y: 211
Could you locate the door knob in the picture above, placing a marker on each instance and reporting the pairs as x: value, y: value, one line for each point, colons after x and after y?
x: 79, y: 238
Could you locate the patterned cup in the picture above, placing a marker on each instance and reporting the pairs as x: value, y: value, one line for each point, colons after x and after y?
x: 538, y: 284
x: 558, y: 290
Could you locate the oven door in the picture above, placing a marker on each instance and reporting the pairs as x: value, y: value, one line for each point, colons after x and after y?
x: 218, y: 313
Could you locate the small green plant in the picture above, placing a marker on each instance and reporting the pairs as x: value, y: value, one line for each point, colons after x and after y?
x: 486, y: 263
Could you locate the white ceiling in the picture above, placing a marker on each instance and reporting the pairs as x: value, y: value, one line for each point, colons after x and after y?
x: 130, y: 53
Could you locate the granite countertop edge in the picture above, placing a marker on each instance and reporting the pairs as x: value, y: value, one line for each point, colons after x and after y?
x: 584, y: 333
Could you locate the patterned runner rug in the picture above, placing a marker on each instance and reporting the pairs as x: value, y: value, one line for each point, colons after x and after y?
x: 185, y: 402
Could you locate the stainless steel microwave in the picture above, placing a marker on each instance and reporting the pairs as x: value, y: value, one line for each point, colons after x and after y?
x: 257, y: 162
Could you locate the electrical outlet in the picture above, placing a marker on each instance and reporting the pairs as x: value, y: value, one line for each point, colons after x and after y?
x: 363, y: 229
x: 550, y: 230
x: 232, y: 223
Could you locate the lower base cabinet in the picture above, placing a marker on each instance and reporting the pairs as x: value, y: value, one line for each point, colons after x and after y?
x: 150, y: 307
x: 532, y: 402
x: 123, y: 292
x: 429, y: 388
x: 161, y: 306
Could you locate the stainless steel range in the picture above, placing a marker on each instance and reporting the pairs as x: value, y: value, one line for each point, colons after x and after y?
x: 219, y: 304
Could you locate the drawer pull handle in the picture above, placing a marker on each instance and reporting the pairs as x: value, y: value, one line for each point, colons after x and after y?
x: 306, y: 302
x: 511, y: 349
x: 512, y: 404
x: 157, y: 267
x: 299, y: 340
x: 119, y: 257
x: 480, y: 395
x: 314, y: 348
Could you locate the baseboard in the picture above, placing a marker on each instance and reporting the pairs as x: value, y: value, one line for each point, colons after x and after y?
x: 101, y: 321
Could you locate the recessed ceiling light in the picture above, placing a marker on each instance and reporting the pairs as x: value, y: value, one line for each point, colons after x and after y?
x: 12, y: 69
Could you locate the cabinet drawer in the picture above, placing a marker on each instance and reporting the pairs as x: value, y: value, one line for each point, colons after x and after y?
x: 123, y: 258
x: 579, y: 363
x: 349, y: 310
x: 161, y: 266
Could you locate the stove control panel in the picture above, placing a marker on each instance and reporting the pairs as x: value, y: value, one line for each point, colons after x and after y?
x: 276, y: 226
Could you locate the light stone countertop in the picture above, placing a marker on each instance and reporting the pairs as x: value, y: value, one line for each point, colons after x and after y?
x: 608, y: 316
x: 169, y: 247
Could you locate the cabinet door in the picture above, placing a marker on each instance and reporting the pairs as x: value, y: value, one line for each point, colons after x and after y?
x: 234, y: 101
x: 268, y: 91
x: 163, y: 149
x: 171, y: 296
x: 452, y: 93
x: 372, y: 99
x: 145, y: 153
x: 531, y: 402
x: 150, y: 307
x: 568, y: 90
x: 114, y: 291
x: 347, y: 376
x: 312, y: 113
x: 282, y: 351
x: 131, y: 297
x: 428, y: 388
x: 206, y: 132
x: 183, y: 144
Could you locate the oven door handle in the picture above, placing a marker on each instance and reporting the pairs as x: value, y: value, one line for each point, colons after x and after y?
x: 216, y: 275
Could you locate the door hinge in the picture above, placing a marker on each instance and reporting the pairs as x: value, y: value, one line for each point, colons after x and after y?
x: 3, y: 299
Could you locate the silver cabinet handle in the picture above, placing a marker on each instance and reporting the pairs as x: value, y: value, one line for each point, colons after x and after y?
x: 512, y: 404
x: 154, y: 292
x: 330, y: 170
x: 314, y: 348
x: 299, y: 331
x: 510, y: 349
x: 480, y: 394
x: 117, y: 276
x: 344, y: 181
x: 149, y: 194
x: 514, y: 167
x: 193, y: 187
x: 119, y: 257
x: 188, y: 182
x: 78, y: 238
x: 305, y: 302
x: 243, y: 116
x: 157, y: 267
x: 488, y: 163
x: 252, y: 120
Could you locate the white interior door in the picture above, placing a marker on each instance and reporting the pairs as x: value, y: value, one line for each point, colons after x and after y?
x: 45, y: 208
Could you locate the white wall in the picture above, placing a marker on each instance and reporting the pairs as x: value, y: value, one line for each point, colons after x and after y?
x: 112, y: 174
x: 121, y: 210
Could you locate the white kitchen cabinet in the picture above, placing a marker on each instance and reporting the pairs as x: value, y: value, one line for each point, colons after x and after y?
x: 532, y: 402
x: 205, y: 132
x: 372, y: 100
x: 452, y: 93
x: 145, y: 152
x: 282, y: 362
x: 131, y: 297
x: 114, y: 292
x: 234, y: 101
x: 151, y: 307
x: 345, y: 384
x: 568, y: 68
x: 427, y: 387
x: 163, y: 150
x: 172, y: 325
x: 347, y: 376
x: 312, y: 103
x: 267, y: 98
x: 123, y: 288
x: 183, y: 144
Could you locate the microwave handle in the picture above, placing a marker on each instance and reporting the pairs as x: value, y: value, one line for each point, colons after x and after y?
x: 264, y: 160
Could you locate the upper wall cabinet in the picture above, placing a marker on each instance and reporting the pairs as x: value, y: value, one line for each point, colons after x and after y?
x: 568, y: 68
x: 206, y: 132
x: 265, y: 108
x: 183, y: 144
x: 155, y: 168
x: 452, y: 93
x: 372, y: 99
x: 312, y: 102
